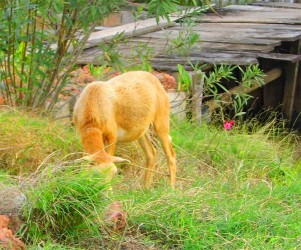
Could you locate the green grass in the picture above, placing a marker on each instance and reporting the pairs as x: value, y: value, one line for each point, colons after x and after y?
x: 237, y: 189
x: 26, y: 140
x: 219, y: 216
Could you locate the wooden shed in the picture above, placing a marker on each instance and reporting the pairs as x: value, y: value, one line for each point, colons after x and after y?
x: 268, y: 34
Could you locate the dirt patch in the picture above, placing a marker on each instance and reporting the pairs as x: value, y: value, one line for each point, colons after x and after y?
x: 7, y: 239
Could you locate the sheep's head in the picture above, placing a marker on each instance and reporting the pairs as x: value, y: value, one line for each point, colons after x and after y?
x: 106, y: 163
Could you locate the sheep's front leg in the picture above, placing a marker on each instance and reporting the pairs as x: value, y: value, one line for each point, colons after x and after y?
x: 110, y: 142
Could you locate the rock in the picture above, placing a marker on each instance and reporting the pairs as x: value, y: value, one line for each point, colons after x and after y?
x: 7, y: 240
x: 12, y: 200
x: 116, y: 216
x: 178, y: 104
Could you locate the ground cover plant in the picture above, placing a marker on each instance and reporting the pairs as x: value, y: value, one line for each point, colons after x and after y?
x: 236, y: 189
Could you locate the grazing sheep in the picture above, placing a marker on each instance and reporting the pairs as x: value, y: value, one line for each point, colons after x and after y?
x: 122, y: 109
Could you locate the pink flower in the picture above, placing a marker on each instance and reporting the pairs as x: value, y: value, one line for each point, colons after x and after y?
x: 228, y: 124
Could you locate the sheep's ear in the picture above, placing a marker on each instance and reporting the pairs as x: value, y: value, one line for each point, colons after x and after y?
x: 120, y: 160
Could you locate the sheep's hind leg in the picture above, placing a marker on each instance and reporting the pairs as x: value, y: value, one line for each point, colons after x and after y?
x: 150, y: 158
x: 161, y: 126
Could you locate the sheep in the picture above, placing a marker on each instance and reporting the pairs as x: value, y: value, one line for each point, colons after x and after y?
x: 122, y: 109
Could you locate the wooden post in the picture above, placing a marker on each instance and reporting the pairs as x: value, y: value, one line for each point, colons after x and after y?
x: 291, y: 76
x: 196, y: 89
x: 297, y: 104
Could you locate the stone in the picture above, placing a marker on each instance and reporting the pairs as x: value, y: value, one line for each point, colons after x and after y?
x: 12, y: 200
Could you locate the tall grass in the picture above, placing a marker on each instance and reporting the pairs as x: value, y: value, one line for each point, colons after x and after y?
x: 237, y: 189
x: 27, y: 139
x: 64, y: 202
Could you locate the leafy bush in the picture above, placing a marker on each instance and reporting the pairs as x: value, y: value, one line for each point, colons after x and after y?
x: 40, y: 43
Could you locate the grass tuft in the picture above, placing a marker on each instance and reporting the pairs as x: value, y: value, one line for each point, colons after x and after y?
x: 64, y: 202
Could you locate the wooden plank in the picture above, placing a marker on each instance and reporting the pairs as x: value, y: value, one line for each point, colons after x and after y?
x: 212, y: 58
x: 281, y: 57
x: 248, y: 19
x: 297, y: 104
x: 278, y: 5
x: 253, y: 14
x: 284, y: 35
x: 134, y: 29
x: 215, y: 37
x: 206, y: 46
x: 245, y: 26
x: 254, y: 9
x: 131, y: 29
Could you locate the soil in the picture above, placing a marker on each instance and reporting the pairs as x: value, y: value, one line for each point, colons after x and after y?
x: 7, y: 239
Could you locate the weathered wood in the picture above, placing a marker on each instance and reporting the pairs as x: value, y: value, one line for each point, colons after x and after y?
x: 249, y: 19
x: 204, y: 46
x: 270, y: 76
x: 254, y: 8
x: 281, y: 57
x: 297, y: 105
x: 134, y: 29
x: 211, y: 58
x: 131, y: 29
x: 291, y: 77
x: 215, y: 37
x: 253, y: 14
x: 272, y: 33
x: 278, y: 5
x: 259, y: 27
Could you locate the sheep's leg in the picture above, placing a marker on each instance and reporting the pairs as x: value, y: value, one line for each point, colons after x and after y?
x: 150, y: 155
x: 111, y: 139
x: 161, y: 126
x: 92, y: 140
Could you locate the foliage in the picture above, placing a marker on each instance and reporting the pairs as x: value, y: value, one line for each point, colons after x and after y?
x: 99, y: 71
x: 160, y: 8
x: 143, y: 54
x: 215, y: 89
x: 186, y: 39
x: 41, y: 41
x: 236, y: 99
x: 138, y: 59
x: 111, y: 54
x: 62, y: 199
x: 252, y: 75
x: 184, y: 79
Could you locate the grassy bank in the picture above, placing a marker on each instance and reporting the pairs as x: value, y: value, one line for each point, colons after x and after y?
x: 237, y: 189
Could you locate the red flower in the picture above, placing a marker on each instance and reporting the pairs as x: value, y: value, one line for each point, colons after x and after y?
x: 228, y: 124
